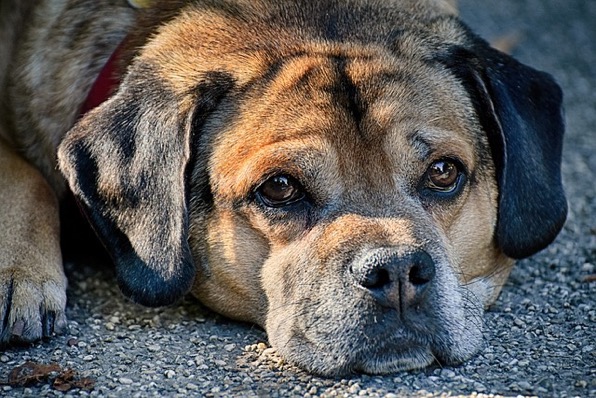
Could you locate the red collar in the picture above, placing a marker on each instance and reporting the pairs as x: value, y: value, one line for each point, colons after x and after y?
x: 106, y: 83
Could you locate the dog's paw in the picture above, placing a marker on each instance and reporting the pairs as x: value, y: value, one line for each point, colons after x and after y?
x: 31, y: 305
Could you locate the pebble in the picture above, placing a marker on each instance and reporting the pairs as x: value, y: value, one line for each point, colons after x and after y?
x: 153, y: 348
x: 447, y: 374
x: 525, y: 385
x: 354, y: 388
x: 269, y: 352
x: 192, y: 387
x: 169, y: 374
x: 125, y: 380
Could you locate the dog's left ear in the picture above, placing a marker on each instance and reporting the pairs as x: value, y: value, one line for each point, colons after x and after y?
x: 127, y: 162
x: 520, y: 109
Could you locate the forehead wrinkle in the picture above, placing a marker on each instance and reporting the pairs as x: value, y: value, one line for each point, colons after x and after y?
x: 445, y: 143
x: 302, y: 157
x: 293, y: 72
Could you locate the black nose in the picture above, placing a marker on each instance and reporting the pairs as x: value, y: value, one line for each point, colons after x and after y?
x: 396, y: 277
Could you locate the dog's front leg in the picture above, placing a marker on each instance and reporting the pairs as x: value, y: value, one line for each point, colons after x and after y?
x: 32, y: 281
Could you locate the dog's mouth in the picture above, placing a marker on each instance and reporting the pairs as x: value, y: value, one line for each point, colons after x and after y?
x: 380, y: 345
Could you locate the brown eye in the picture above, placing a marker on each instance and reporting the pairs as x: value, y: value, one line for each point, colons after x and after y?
x: 280, y: 191
x: 443, y: 176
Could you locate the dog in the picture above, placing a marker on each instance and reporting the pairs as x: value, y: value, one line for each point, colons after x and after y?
x: 355, y: 176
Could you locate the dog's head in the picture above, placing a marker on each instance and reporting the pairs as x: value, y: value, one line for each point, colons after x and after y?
x: 356, y: 179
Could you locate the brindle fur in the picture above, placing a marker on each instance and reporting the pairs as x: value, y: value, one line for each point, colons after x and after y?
x: 355, y: 99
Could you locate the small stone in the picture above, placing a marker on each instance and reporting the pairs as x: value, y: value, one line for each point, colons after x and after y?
x: 219, y: 362
x: 479, y: 387
x: 447, y: 374
x: 587, y: 267
x: 153, y: 348
x: 88, y: 358
x: 269, y: 351
x: 524, y: 385
x: 110, y: 326
x: 229, y: 347
x: 261, y: 346
x: 354, y: 388
x: 169, y: 374
x: 4, y: 358
x: 192, y: 387
x: 125, y: 380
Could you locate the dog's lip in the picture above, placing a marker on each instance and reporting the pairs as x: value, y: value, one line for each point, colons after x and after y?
x: 415, y: 357
x: 385, y: 353
x: 367, y: 360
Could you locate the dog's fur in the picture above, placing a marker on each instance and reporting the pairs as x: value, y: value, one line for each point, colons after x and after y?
x: 350, y: 106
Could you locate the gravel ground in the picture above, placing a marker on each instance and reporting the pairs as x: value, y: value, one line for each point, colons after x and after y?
x: 541, y: 334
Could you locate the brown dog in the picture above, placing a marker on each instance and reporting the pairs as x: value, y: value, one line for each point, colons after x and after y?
x: 355, y: 176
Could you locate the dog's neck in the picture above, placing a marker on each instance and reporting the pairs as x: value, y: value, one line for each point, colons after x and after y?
x: 151, y: 15
x: 106, y: 83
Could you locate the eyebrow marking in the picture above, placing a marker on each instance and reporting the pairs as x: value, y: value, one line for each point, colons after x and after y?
x: 420, y: 144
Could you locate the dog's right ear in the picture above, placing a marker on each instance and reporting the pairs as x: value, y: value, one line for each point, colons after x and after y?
x: 127, y: 163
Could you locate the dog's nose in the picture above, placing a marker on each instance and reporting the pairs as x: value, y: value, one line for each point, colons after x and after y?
x: 395, y: 277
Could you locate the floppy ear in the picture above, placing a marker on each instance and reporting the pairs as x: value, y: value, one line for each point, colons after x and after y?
x: 520, y: 109
x: 126, y: 162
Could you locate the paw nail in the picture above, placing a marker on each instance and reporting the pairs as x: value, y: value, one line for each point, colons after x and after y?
x: 17, y: 328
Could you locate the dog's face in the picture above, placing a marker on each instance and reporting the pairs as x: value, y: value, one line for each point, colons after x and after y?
x: 358, y: 189
x: 362, y: 221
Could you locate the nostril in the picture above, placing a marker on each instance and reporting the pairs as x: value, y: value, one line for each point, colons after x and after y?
x: 375, y: 278
x: 422, y: 271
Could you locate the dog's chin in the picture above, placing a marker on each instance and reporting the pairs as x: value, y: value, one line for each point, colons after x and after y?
x: 334, y: 361
x: 416, y: 358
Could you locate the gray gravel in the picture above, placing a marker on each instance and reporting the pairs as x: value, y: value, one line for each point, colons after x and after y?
x: 541, y: 335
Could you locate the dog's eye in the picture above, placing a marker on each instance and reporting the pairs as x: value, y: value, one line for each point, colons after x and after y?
x: 280, y: 190
x: 443, y: 176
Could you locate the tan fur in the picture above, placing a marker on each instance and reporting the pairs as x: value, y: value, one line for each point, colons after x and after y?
x: 31, y: 275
